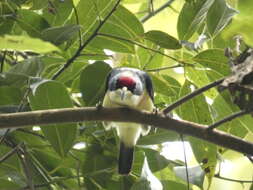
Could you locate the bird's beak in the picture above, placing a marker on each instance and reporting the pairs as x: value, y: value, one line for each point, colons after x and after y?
x: 123, y: 93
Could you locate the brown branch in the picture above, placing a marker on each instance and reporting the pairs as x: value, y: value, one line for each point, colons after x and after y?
x: 70, y: 115
x: 191, y: 95
x: 229, y: 118
x: 80, y: 49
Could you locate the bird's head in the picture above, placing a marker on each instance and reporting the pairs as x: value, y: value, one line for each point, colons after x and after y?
x: 127, y: 86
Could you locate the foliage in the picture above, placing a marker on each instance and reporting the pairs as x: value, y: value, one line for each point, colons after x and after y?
x: 38, y: 38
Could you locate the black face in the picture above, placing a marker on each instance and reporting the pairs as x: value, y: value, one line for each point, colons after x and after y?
x: 134, y: 83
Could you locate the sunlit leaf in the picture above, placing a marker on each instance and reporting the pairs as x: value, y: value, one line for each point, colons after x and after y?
x: 219, y: 16
x: 191, y: 17
x: 162, y: 39
x: 25, y: 43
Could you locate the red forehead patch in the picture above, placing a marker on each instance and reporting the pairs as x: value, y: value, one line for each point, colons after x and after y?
x: 126, y: 81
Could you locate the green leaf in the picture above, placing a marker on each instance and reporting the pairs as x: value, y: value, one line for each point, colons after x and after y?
x: 167, y: 184
x: 58, y: 35
x: 92, y: 82
x: 53, y: 95
x: 24, y: 43
x: 147, y: 59
x: 157, y: 137
x: 13, y: 79
x: 9, y: 185
x: 200, y: 113
x: 198, y: 76
x: 122, y: 24
x: 223, y: 107
x: 31, y: 22
x: 57, y: 12
x: 191, y: 17
x: 147, y: 181
x: 214, y: 59
x: 241, y: 24
x: 172, y: 85
x: 219, y: 16
x: 162, y: 39
x: 195, y: 173
x: 155, y: 160
x: 29, y: 67
x: 10, y: 95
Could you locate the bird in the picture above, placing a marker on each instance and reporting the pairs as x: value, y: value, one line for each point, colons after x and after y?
x: 132, y: 88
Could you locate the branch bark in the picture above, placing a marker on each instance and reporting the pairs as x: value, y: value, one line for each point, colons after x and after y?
x: 70, y: 115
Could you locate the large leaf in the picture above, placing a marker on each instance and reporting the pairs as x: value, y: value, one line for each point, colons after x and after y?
x: 162, y: 39
x: 24, y: 43
x: 58, y: 12
x: 172, y: 85
x: 158, y: 137
x: 198, y: 76
x: 92, y: 82
x: 191, y: 17
x: 29, y: 67
x: 219, y: 16
x: 147, y: 181
x: 31, y: 22
x: 197, y: 110
x: 60, y: 34
x: 9, y: 185
x: 10, y: 95
x: 53, y: 95
x: 223, y: 107
x: 122, y: 24
x: 214, y: 59
x: 241, y: 23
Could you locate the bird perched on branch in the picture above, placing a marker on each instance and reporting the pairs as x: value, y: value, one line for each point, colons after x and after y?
x: 128, y: 87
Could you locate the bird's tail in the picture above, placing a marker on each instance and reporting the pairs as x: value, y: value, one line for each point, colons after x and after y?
x: 125, y: 159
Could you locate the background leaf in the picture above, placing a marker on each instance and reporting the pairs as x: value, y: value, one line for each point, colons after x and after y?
x: 51, y: 95
x: 92, y: 82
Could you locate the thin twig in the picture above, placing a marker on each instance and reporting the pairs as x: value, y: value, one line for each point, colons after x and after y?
x: 151, y: 14
x: 228, y: 118
x: 2, y: 61
x: 140, y: 45
x: 9, y: 154
x: 168, y: 67
x: 185, y: 161
x: 191, y: 95
x: 22, y: 157
x: 234, y: 180
x: 80, y: 49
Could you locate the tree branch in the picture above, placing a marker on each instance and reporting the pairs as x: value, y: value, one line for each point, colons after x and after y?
x: 153, y: 13
x: 80, y: 49
x: 70, y: 115
x: 191, y: 95
x: 229, y: 118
